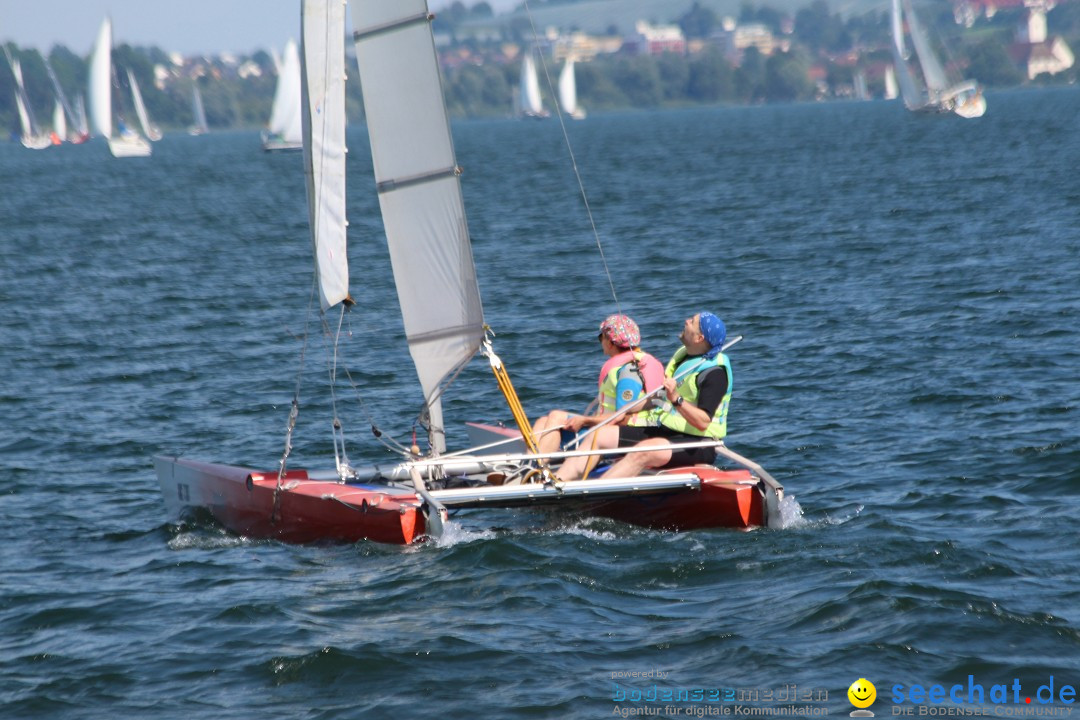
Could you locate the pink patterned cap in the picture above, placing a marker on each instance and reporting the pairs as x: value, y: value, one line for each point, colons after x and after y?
x: 621, y: 331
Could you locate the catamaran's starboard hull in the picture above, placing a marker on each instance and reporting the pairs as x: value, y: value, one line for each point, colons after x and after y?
x: 305, y: 510
x: 247, y: 502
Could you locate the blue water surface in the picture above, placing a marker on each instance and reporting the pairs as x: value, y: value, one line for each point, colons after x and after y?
x: 909, y: 293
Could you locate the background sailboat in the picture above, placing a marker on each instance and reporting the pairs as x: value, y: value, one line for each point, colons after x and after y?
x: 31, y: 135
x: 285, y: 130
x: 197, y: 112
x: 70, y: 117
x: 126, y: 142
x: 529, y: 102
x: 568, y: 91
x: 939, y: 92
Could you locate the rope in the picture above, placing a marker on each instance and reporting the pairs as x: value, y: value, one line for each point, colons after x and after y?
x: 573, y: 160
x: 294, y: 409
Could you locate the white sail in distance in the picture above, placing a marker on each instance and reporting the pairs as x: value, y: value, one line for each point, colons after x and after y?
x: 198, y: 112
x: 568, y: 90
x: 531, y: 104
x: 59, y: 121
x: 285, y: 112
x: 416, y: 177
x: 140, y: 109
x: 913, y: 98
x: 100, y: 91
x: 933, y: 72
x: 323, y: 130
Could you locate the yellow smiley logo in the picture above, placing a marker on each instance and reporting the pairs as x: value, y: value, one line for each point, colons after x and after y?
x: 862, y: 693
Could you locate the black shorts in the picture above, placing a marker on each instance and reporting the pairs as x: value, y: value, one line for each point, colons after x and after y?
x: 631, y: 435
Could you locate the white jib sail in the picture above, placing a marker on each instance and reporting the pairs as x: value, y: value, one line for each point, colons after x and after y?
x: 933, y: 72
x: 568, y: 88
x: 140, y: 106
x: 323, y: 129
x: 416, y: 176
x: 285, y: 112
x: 101, y: 82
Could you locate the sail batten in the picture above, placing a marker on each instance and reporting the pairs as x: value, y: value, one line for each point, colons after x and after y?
x: 323, y: 124
x: 424, y: 214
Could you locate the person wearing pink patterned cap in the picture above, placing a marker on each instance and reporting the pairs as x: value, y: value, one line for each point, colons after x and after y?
x: 628, y: 374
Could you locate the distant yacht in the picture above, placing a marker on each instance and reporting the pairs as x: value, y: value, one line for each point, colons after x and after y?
x: 126, y: 142
x: 529, y: 103
x: 568, y: 91
x: 197, y: 112
x: 284, y: 131
x: 31, y: 135
x: 940, y: 93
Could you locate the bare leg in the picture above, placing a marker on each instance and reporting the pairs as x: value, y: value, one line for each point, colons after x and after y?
x: 605, y: 438
x: 632, y: 464
x: 549, y: 442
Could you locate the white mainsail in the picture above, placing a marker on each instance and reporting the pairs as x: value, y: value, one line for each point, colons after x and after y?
x: 285, y: 123
x: 416, y: 176
x: 198, y: 112
x: 531, y: 104
x: 59, y: 121
x: 913, y: 97
x: 568, y: 91
x: 891, y: 89
x: 323, y: 121
x: 100, y: 91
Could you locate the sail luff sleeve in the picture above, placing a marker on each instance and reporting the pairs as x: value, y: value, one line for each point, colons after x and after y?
x: 323, y: 118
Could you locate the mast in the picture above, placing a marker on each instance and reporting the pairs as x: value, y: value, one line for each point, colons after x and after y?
x: 416, y: 177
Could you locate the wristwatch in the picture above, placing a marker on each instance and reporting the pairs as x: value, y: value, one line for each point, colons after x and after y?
x: 680, y: 401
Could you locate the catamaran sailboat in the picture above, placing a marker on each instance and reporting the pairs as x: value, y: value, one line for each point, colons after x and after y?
x: 939, y: 93
x: 284, y: 131
x: 126, y: 142
x: 418, y: 184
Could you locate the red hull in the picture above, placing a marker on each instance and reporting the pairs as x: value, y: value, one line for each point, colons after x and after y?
x: 727, y: 499
x: 243, y: 500
x: 248, y: 503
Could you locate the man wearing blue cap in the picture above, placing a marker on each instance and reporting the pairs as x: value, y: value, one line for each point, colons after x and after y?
x: 698, y: 388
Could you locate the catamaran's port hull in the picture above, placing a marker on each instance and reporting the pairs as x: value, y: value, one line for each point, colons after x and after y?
x: 249, y: 502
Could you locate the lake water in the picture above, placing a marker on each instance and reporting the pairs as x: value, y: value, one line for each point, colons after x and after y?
x: 909, y: 293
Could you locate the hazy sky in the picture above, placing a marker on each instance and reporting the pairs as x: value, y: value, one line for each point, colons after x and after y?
x: 186, y: 26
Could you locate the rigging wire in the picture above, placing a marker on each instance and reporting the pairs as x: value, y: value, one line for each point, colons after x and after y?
x: 573, y: 160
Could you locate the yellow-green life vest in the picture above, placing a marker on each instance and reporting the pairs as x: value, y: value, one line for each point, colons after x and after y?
x: 687, y: 372
x: 611, y: 382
